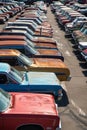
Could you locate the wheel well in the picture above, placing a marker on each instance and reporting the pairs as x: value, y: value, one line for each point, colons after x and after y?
x: 30, y: 127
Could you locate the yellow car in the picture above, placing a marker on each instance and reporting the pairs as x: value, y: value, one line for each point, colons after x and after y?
x: 21, y: 62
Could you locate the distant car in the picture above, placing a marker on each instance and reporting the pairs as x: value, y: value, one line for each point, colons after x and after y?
x: 22, y: 81
x: 84, y: 54
x: 75, y: 24
x: 2, y: 19
x: 82, y: 46
x: 28, y: 111
x: 83, y: 11
x: 39, y: 33
x: 37, y: 20
x: 33, y: 26
x: 79, y: 33
x: 23, y: 63
x: 29, y: 36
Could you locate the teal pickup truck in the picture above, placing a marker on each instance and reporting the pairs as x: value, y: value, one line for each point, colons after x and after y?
x: 12, y: 80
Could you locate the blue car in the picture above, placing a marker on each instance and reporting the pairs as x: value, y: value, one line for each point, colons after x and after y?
x: 12, y: 80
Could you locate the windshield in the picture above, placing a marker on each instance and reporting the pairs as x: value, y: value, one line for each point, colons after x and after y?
x: 30, y: 31
x: 18, y: 76
x: 31, y: 49
x: 29, y: 36
x: 83, y: 28
x: 35, y: 24
x: 1, y: 12
x: 85, y: 31
x: 8, y: 7
x: 4, y: 100
x: 38, y: 21
x: 27, y: 61
x: 74, y: 21
x: 30, y: 42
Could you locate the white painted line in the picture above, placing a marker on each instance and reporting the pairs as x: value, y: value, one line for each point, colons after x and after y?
x: 56, y: 31
x: 81, y: 112
x: 68, y: 53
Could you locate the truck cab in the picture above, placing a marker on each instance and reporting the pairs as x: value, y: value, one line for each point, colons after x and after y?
x: 12, y: 80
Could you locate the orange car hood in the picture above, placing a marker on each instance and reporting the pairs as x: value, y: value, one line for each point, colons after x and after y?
x: 49, y: 63
x: 49, y: 52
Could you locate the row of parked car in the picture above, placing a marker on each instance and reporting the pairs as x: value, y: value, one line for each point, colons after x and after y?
x: 31, y: 70
x: 8, y: 10
x: 74, y: 24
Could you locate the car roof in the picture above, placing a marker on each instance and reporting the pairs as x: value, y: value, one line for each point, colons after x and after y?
x: 4, y: 67
x: 12, y: 36
x: 9, y: 52
x: 12, y: 42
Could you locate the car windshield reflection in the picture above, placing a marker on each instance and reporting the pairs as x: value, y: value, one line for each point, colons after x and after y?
x: 5, y: 100
x: 18, y: 76
x: 25, y: 59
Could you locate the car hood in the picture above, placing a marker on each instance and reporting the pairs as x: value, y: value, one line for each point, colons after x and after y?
x: 83, y: 43
x: 49, y: 63
x: 43, y: 78
x: 49, y: 52
x: 28, y: 103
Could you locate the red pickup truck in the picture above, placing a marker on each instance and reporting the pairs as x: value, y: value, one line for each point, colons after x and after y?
x: 28, y: 111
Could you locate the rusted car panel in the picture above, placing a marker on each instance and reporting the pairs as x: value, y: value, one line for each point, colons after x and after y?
x: 21, y: 62
x: 30, y: 51
x: 30, y: 37
x: 14, y: 115
x: 39, y: 33
x: 36, y: 45
x: 32, y: 27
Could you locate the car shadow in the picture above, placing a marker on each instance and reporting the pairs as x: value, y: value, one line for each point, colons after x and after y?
x: 85, y: 73
x: 83, y: 65
x: 64, y: 101
x: 78, y: 55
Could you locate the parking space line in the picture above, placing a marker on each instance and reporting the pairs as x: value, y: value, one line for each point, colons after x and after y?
x: 81, y: 112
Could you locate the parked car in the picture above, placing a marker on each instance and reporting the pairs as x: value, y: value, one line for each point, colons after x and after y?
x: 83, y: 11
x: 11, y: 13
x: 84, y: 54
x: 29, y: 30
x: 79, y: 33
x: 22, y: 81
x: 82, y: 46
x: 37, y: 20
x: 29, y: 51
x: 20, y: 111
x: 32, y: 44
x: 32, y: 27
x: 23, y: 63
x: 75, y: 24
x: 29, y: 36
x: 4, y: 15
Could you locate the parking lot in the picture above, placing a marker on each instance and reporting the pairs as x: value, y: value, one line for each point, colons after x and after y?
x: 73, y: 107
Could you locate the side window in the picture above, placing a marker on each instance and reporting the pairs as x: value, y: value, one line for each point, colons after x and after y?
x: 3, y: 79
